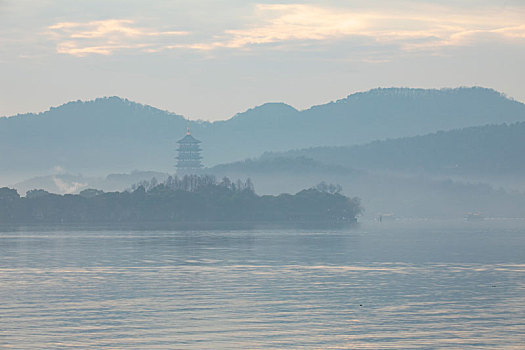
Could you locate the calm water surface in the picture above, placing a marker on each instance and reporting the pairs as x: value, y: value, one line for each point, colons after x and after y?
x: 397, y: 285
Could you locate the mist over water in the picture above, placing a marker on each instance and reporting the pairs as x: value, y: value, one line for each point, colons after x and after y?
x: 394, y: 285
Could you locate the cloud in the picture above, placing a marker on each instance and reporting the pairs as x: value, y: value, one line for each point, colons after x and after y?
x: 105, y: 37
x: 424, y: 27
x: 295, y: 26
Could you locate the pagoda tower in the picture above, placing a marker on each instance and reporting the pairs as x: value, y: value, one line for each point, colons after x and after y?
x: 189, y: 158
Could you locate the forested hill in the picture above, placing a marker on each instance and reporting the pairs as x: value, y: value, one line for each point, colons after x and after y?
x: 485, y: 150
x: 192, y: 199
x: 116, y: 135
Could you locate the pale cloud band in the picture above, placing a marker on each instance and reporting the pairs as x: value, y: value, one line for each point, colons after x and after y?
x: 424, y: 27
x: 105, y: 37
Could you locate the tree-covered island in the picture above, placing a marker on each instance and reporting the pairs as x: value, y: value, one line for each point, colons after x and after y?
x: 187, y: 200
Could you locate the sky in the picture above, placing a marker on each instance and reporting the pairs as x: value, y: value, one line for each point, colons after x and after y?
x: 209, y: 59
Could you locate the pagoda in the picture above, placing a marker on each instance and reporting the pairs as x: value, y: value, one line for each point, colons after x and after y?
x: 189, y: 158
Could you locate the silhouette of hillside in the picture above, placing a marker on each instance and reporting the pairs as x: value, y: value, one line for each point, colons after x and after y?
x: 279, y: 165
x: 116, y: 135
x: 443, y: 174
x: 489, y: 150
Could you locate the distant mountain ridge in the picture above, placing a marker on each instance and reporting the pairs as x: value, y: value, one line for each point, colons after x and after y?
x: 485, y: 150
x: 442, y: 174
x: 116, y: 135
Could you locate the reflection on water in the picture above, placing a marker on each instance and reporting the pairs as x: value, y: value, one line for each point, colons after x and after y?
x: 373, y: 287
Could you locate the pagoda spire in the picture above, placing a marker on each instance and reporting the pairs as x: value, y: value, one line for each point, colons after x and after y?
x: 189, y: 154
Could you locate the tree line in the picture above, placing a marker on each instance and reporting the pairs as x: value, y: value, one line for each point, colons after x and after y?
x: 188, y: 199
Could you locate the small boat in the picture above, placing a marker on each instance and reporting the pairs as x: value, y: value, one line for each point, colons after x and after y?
x: 474, y: 217
x: 386, y: 217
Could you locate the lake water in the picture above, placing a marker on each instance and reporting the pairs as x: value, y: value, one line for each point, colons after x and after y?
x: 395, y: 285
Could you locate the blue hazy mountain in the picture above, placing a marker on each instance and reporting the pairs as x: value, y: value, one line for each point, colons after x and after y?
x: 117, y: 135
x: 483, y: 150
x: 270, y: 164
x: 442, y: 174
